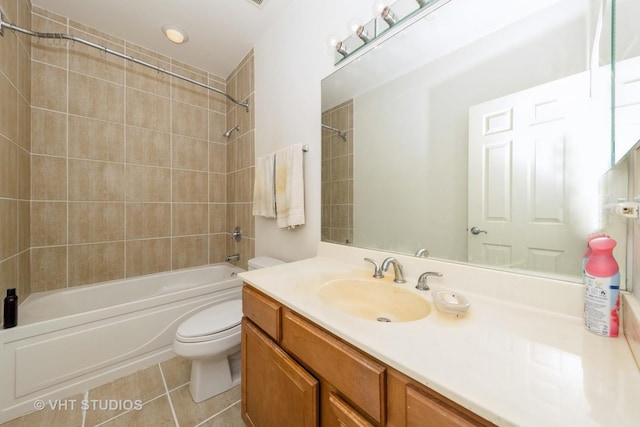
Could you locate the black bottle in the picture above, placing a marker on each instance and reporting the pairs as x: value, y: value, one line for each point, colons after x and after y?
x: 11, y: 309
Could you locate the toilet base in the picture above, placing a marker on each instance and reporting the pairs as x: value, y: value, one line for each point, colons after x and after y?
x: 210, y: 377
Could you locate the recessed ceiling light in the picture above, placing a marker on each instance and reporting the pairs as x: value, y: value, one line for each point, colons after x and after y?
x: 175, y: 34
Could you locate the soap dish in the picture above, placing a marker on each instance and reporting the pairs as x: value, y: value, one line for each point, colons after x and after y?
x: 450, y: 303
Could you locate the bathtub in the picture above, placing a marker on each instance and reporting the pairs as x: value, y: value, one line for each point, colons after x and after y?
x: 68, y: 341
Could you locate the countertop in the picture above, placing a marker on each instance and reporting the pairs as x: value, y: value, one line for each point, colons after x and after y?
x: 510, y: 363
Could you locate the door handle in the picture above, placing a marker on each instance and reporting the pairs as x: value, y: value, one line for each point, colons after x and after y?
x: 475, y: 231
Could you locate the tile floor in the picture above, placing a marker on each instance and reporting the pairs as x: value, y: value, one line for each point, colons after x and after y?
x: 163, y: 390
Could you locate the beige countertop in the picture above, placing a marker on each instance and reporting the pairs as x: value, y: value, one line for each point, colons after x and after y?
x: 510, y: 363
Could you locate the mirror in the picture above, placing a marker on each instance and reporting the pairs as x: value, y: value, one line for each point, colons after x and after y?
x: 479, y: 133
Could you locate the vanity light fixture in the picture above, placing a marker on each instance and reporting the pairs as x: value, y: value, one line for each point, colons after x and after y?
x: 423, y: 3
x: 382, y: 8
x: 359, y: 30
x: 175, y: 34
x: 335, y: 44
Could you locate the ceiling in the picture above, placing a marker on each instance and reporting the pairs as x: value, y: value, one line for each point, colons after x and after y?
x: 221, y: 32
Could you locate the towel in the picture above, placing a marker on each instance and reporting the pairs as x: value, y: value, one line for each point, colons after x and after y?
x: 289, y: 187
x: 264, y: 202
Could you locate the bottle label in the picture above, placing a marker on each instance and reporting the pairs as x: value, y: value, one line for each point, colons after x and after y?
x: 602, y: 305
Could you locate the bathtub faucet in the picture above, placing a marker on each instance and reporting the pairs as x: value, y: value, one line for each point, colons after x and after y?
x: 231, y: 258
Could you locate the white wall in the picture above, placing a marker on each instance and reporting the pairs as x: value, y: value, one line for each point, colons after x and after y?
x: 291, y: 59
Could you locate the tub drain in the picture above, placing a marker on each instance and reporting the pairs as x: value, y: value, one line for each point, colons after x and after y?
x: 383, y: 319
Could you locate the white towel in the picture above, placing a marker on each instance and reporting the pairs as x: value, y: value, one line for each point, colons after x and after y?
x: 289, y: 187
x: 264, y: 201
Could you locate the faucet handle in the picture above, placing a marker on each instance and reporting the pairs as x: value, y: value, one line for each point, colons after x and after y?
x: 378, y: 272
x: 422, y: 252
x: 422, y: 280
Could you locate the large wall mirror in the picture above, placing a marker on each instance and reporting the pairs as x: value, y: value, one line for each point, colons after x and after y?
x: 479, y: 133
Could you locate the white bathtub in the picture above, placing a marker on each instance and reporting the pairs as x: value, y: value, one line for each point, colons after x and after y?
x: 68, y: 341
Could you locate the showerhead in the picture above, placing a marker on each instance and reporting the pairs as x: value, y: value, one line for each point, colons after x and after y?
x: 227, y: 134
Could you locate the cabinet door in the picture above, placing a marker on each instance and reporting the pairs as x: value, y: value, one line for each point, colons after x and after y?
x: 426, y: 411
x: 347, y: 416
x: 276, y: 391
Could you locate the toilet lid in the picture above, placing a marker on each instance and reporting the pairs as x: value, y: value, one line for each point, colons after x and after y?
x: 212, y: 320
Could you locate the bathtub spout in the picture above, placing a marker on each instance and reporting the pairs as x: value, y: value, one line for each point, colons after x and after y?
x: 232, y: 258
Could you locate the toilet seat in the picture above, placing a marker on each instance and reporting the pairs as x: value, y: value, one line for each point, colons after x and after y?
x: 216, y: 322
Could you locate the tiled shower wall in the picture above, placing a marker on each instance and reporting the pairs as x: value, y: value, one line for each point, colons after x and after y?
x: 337, y: 175
x: 15, y: 146
x: 130, y: 172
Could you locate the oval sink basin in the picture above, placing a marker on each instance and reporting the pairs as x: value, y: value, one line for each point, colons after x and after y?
x: 374, y: 300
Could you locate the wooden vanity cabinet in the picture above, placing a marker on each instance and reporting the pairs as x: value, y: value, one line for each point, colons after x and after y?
x: 296, y: 374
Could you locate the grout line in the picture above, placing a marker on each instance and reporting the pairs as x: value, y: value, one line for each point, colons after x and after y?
x: 217, y: 413
x: 166, y: 389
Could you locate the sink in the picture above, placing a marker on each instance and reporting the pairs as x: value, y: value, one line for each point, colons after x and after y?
x: 374, y: 300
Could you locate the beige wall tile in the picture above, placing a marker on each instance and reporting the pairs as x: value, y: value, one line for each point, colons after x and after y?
x: 24, y: 225
x: 9, y: 56
x: 190, y: 120
x: 217, y: 157
x: 8, y: 168
x: 243, y: 116
x: 49, y: 132
x: 190, y: 153
x: 96, y: 139
x: 95, y: 222
x: 217, y: 127
x: 217, y: 102
x: 48, y: 87
x: 217, y: 188
x: 24, y: 123
x: 148, y: 256
x: 95, y: 63
x: 190, y: 251
x: 148, y: 220
x: 48, y: 178
x: 148, y: 147
x: 146, y: 79
x: 8, y: 109
x: 24, y: 274
x: 99, y: 99
x: 24, y: 174
x: 48, y: 223
x: 218, y: 218
x: 148, y: 110
x: 218, y: 247
x: 245, y: 154
x: 190, y: 186
x: 148, y: 184
x: 48, y: 268
x: 187, y: 92
x: 245, y: 79
x: 96, y: 181
x: 190, y: 218
x: 47, y: 51
x: 95, y: 263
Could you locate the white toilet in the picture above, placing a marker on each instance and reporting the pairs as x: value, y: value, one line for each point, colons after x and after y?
x: 211, y: 339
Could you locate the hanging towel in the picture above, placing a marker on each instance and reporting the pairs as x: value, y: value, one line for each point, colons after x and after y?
x: 264, y: 201
x: 289, y: 187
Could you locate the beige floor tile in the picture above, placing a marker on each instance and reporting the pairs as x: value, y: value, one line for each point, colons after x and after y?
x: 176, y: 371
x: 68, y: 415
x: 156, y: 413
x: 229, y: 418
x: 190, y: 413
x: 143, y: 385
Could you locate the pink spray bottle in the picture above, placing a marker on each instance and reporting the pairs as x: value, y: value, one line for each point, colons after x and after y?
x: 602, y: 289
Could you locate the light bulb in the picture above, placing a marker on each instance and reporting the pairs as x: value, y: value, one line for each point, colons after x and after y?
x: 336, y: 45
x: 355, y: 26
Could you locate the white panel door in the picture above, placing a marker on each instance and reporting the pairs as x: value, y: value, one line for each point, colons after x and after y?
x: 523, y: 172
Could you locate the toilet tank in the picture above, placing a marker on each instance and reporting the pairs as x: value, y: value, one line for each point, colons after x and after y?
x: 263, y: 262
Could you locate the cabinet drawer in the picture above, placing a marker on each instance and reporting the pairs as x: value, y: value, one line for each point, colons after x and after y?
x: 347, y: 416
x: 424, y: 410
x: 358, y: 378
x: 262, y: 310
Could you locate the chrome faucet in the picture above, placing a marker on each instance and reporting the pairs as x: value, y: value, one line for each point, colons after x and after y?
x: 397, y: 269
x: 422, y: 280
x: 422, y: 252
x: 377, y: 273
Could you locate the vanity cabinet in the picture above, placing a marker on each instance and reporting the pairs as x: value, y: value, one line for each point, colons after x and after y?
x: 295, y: 373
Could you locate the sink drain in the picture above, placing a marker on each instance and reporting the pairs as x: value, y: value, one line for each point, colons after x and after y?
x: 383, y: 319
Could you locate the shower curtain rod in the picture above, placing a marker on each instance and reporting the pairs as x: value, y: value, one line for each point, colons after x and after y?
x: 341, y: 133
x: 62, y: 36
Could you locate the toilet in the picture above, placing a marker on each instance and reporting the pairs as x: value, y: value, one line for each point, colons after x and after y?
x: 211, y: 339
